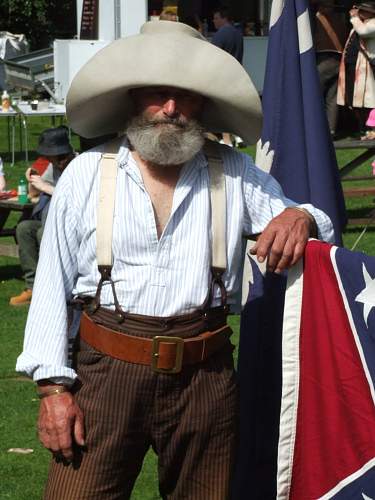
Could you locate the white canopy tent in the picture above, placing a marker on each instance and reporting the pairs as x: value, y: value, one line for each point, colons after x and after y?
x: 119, y: 18
x: 116, y: 18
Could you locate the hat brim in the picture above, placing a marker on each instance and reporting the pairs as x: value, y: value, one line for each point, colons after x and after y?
x: 98, y: 100
x: 45, y: 150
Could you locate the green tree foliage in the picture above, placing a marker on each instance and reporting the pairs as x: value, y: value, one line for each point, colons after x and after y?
x: 40, y: 20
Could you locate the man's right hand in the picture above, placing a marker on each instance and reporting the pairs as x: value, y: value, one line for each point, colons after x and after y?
x: 60, y: 424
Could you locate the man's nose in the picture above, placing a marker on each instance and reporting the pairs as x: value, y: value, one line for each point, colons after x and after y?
x: 170, y: 108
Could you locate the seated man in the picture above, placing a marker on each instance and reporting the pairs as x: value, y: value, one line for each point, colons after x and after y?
x: 54, y: 145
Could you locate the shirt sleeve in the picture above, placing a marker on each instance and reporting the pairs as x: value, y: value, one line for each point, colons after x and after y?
x: 264, y: 200
x: 45, y: 350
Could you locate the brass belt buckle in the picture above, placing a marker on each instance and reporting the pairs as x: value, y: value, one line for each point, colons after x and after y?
x: 179, y: 342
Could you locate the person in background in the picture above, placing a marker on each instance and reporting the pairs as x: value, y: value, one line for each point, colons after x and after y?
x: 329, y: 33
x: 248, y: 28
x: 168, y: 15
x: 228, y: 38
x: 55, y: 146
x: 370, y: 134
x: 356, y: 86
x: 3, y: 183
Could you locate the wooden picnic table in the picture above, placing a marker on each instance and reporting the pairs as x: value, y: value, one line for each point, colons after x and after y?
x: 12, y: 205
x: 356, y: 192
x: 363, y: 156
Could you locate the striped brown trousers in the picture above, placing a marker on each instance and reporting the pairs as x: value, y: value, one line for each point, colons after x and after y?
x: 189, y: 419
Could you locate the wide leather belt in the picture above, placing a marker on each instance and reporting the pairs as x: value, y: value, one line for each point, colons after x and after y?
x: 165, y: 354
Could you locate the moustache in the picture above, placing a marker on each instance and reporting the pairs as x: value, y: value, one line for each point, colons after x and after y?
x: 177, y: 122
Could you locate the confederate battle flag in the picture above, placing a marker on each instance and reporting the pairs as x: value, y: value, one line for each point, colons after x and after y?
x: 327, y: 424
x: 307, y: 409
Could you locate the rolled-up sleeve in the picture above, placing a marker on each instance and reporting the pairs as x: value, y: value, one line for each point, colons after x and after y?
x: 45, y: 349
x: 264, y: 200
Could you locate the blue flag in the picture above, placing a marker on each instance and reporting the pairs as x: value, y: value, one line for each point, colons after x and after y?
x: 295, y: 121
x: 304, y: 163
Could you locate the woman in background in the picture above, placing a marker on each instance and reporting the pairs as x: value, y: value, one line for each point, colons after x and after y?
x: 356, y: 87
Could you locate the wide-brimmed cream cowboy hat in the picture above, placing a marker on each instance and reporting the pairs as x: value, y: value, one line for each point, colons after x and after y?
x: 170, y: 54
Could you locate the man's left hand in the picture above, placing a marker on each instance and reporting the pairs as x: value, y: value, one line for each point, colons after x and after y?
x: 284, y: 239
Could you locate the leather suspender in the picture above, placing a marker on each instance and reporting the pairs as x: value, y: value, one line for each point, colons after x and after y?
x: 218, y: 218
x: 105, y: 212
x: 218, y: 206
x: 106, y: 207
x: 104, y: 217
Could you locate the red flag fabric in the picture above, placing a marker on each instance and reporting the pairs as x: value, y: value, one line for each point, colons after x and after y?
x: 327, y: 419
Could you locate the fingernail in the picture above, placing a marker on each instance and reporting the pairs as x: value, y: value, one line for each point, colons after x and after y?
x: 260, y: 259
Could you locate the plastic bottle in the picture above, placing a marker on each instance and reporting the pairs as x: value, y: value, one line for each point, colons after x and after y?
x: 5, y: 101
x: 22, y: 190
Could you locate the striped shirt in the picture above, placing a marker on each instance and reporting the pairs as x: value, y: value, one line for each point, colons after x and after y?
x: 157, y: 277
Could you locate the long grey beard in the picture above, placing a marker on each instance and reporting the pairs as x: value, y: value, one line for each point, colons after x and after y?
x: 164, y: 142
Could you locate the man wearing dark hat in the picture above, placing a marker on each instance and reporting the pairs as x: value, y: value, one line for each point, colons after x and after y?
x: 53, y: 145
x: 147, y: 239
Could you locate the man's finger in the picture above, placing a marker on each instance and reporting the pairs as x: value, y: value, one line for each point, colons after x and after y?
x: 262, y: 247
x: 286, y: 257
x: 298, y: 252
x: 79, y: 430
x: 67, y: 453
x: 278, y: 252
x: 50, y: 440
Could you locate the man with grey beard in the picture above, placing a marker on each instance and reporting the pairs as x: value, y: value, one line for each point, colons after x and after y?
x: 171, y: 139
x: 145, y: 234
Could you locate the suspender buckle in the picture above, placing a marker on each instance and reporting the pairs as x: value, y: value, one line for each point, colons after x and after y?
x: 105, y: 272
x: 155, y: 354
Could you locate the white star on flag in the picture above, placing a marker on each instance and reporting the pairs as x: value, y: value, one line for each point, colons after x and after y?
x: 365, y: 497
x: 367, y: 295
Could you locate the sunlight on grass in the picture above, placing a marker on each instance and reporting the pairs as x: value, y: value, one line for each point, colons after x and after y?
x: 22, y: 476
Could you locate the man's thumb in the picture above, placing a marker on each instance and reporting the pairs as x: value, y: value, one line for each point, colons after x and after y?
x: 79, y: 430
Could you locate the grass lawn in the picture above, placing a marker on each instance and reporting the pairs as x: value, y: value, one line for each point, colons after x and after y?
x: 22, y: 476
